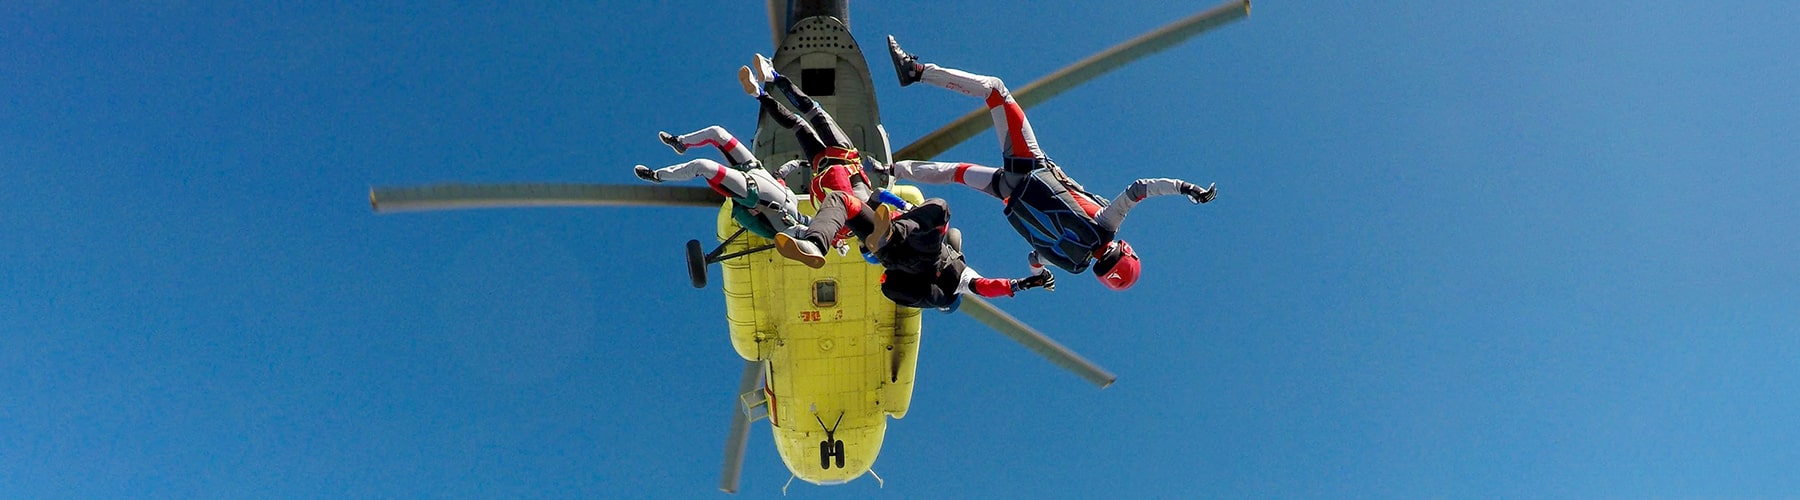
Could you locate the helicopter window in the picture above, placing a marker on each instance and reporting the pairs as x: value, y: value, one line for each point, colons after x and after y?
x: 818, y: 81
x: 825, y: 293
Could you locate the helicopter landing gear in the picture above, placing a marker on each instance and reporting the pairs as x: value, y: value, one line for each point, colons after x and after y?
x: 831, y: 447
x: 697, y: 262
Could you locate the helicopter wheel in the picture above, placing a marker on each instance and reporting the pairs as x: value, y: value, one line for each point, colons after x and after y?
x: 838, y: 451
x: 825, y: 454
x: 696, y: 264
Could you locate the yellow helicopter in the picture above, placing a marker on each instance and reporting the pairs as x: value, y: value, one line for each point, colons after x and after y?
x: 827, y: 358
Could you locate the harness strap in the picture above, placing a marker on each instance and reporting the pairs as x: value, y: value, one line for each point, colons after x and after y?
x: 1021, y: 164
x: 839, y: 155
x: 834, y: 157
x: 751, y: 197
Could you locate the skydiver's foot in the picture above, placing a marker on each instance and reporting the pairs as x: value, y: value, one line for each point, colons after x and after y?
x: 884, y: 225
x: 1199, y: 194
x: 673, y: 142
x: 765, y: 72
x: 801, y: 250
x: 906, y: 66
x: 752, y: 86
x: 645, y: 173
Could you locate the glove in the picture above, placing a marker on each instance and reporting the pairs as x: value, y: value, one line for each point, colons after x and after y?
x: 1199, y: 194
x: 1046, y: 280
x: 782, y: 171
x: 879, y: 167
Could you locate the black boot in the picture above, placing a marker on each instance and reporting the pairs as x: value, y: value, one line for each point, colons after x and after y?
x: 906, y: 66
x: 1198, y: 194
x: 673, y: 142
x: 645, y: 173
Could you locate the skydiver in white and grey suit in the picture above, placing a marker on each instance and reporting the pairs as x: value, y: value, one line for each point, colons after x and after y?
x: 762, y: 202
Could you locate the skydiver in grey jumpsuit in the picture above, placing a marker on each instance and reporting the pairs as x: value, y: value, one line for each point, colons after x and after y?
x: 753, y: 188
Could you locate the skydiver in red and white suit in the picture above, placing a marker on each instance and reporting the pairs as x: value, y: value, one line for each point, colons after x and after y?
x: 1064, y: 223
x: 834, y: 159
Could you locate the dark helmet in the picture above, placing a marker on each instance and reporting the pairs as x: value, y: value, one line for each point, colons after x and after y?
x: 1118, y: 266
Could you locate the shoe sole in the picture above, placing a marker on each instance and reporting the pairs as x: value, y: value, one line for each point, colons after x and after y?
x: 787, y: 247
x: 765, y: 69
x: 884, y: 221
x: 750, y: 87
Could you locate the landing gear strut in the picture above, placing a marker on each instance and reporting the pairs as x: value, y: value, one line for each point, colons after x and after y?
x: 697, y: 262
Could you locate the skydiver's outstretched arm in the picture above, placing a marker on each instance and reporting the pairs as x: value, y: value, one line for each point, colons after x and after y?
x: 716, y: 136
x: 972, y: 281
x: 1114, y: 215
x: 977, y: 177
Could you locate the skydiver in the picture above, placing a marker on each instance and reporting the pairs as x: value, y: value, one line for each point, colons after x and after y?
x: 762, y: 202
x: 834, y: 159
x: 922, y: 269
x: 1064, y: 223
x: 921, y: 254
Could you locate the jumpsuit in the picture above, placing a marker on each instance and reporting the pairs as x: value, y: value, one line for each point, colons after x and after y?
x: 1020, y: 155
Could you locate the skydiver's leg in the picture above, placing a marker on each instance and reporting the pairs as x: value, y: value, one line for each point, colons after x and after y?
x: 827, y: 129
x: 838, y: 211
x: 977, y: 177
x: 716, y: 136
x: 810, y: 143
x: 1016, y: 139
x: 1114, y: 215
x: 725, y: 180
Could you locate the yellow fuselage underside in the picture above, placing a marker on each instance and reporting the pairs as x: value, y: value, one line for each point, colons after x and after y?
x: 852, y: 355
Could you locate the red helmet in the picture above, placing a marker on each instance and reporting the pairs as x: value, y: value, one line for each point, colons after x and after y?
x: 1118, y: 266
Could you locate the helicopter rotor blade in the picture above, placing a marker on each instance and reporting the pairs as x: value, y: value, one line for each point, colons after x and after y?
x: 993, y: 317
x: 463, y: 196
x: 739, y: 435
x: 1082, y: 71
x: 777, y: 17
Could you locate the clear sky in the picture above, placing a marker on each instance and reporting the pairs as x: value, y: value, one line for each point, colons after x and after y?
x: 1518, y: 249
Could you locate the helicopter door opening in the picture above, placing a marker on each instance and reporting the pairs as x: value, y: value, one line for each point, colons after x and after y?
x: 818, y: 82
x: 825, y: 293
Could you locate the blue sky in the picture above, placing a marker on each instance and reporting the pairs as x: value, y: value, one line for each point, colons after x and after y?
x: 1533, y: 249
